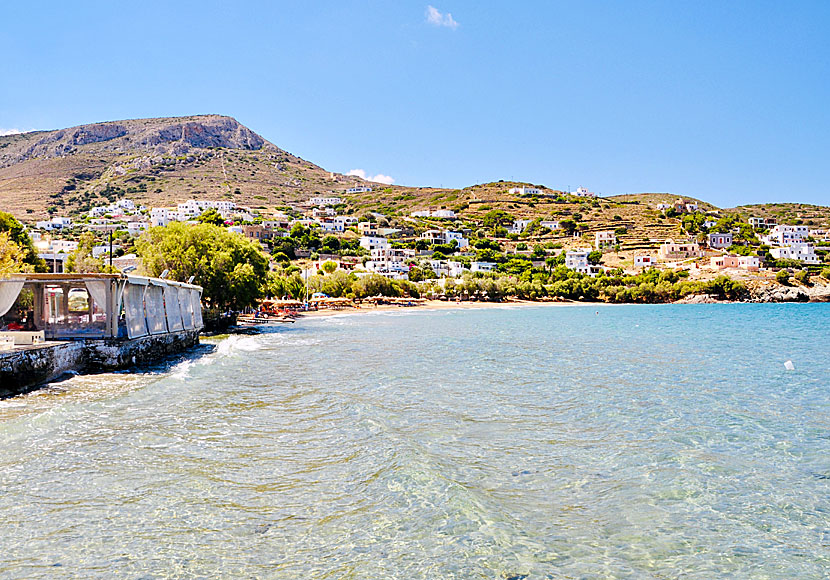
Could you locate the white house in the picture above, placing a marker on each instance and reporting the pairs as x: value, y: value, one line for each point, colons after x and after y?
x: 803, y: 252
x: 193, y: 208
x: 330, y: 225
x: 583, y: 192
x: 98, y: 251
x: 518, y: 226
x: 359, y: 189
x: 324, y: 201
x: 782, y: 235
x: 663, y: 206
x: 759, y: 222
x: 346, y: 220
x: 551, y: 225
x: 445, y: 237
x: 56, y: 223
x: 66, y: 246
x: 446, y: 214
x: 577, y: 260
x: 325, y: 211
x: 604, y: 239
x: 161, y: 216
x: 524, y: 190
x: 447, y: 268
x: 373, y: 242
x: 644, y: 261
x: 482, y: 266
x: 137, y: 227
x: 390, y: 260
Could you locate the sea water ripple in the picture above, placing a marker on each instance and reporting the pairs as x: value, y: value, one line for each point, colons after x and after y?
x: 550, y: 442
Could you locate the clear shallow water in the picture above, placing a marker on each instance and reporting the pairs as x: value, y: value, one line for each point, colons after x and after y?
x: 639, y: 442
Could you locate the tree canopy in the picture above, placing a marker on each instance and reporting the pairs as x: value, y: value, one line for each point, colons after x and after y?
x: 232, y: 270
x: 27, y: 257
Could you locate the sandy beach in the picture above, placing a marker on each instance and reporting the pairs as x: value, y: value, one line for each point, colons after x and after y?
x: 430, y: 305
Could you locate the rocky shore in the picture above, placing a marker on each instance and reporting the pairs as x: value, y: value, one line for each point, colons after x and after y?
x: 772, y: 292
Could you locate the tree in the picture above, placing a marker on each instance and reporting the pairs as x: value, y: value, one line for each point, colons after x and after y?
x: 329, y: 266
x: 231, y: 270
x: 782, y: 277
x: 17, y: 235
x: 496, y: 217
x: 568, y: 226
x: 81, y: 260
x: 211, y: 216
x: 595, y: 257
x: 12, y: 257
x: 803, y: 276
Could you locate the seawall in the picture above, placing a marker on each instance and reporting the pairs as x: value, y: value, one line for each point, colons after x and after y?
x: 24, y: 369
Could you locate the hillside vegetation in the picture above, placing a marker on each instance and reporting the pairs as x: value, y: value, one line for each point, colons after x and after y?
x: 160, y: 162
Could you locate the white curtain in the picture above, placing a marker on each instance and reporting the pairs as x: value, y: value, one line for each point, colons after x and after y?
x: 174, y: 314
x: 98, y: 290
x: 196, y: 301
x: 186, y: 306
x: 134, y: 306
x: 154, y: 300
x: 9, y: 291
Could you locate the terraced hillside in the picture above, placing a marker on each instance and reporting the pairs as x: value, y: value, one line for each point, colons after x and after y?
x: 159, y: 162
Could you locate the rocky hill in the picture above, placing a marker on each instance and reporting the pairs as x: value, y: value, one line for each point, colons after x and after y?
x: 160, y: 162
x: 154, y: 161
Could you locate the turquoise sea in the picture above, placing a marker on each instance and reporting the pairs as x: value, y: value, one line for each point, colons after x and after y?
x: 519, y: 442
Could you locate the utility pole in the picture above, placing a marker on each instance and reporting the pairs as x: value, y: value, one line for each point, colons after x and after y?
x: 110, y: 251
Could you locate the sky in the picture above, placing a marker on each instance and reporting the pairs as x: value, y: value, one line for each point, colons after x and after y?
x: 728, y: 102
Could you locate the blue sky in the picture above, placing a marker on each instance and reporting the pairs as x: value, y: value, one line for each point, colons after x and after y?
x: 724, y: 101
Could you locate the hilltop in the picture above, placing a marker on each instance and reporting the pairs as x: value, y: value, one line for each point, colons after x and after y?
x: 163, y: 161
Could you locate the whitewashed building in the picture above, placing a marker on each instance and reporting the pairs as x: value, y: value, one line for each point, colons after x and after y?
x: 373, y: 242
x: 333, y: 200
x: 605, y: 239
x: 161, y: 216
x: 525, y: 190
x: 583, y: 192
x: 577, y: 260
x: 644, y: 261
x: 482, y: 266
x: 445, y: 237
x: 782, y: 235
x: 518, y: 226
x: 803, y: 252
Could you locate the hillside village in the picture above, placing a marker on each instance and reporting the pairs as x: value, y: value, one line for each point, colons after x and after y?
x: 111, y: 182
x: 439, y: 243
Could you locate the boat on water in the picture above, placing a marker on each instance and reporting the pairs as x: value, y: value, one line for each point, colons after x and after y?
x: 51, y: 324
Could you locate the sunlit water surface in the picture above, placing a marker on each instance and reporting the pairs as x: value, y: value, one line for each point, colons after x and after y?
x: 554, y: 442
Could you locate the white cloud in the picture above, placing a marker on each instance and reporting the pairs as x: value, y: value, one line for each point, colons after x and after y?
x: 379, y: 178
x: 435, y: 18
x: 4, y: 132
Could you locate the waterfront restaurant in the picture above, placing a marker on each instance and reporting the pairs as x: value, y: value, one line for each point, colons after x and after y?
x: 55, y: 307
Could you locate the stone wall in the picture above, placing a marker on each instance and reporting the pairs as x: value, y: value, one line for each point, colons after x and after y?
x: 24, y: 369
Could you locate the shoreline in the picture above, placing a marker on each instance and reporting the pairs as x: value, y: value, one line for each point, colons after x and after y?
x: 438, y: 305
x: 432, y: 305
